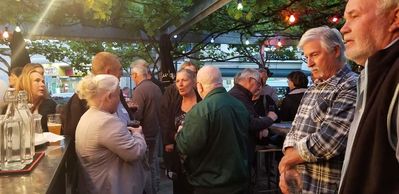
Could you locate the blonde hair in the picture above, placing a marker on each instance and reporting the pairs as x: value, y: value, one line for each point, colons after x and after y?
x: 24, y: 82
x: 92, y: 87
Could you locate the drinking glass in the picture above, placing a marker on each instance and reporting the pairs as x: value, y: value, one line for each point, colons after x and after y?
x: 54, y: 123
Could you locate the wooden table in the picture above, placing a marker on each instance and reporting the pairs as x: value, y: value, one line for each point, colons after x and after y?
x: 281, y: 128
x: 47, y: 177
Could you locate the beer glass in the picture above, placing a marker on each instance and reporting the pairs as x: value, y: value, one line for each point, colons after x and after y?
x: 54, y: 123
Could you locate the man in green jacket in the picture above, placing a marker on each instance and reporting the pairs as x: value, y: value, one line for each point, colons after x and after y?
x: 214, y: 139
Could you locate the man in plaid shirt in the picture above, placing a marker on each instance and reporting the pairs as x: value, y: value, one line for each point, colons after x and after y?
x: 316, y: 143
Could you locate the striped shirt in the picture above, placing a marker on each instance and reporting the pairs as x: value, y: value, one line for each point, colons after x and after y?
x: 320, y: 129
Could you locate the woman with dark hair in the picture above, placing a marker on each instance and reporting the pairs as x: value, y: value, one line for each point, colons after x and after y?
x: 298, y: 84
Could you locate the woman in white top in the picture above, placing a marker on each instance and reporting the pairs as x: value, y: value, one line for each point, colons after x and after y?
x: 110, y: 153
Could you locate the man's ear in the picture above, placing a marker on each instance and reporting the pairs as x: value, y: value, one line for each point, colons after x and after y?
x: 395, y: 23
x: 337, y: 51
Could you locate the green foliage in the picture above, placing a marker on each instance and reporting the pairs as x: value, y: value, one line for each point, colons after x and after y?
x: 80, y: 53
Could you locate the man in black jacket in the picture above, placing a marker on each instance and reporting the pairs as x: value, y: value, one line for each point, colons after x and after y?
x: 371, y: 34
x: 246, y: 84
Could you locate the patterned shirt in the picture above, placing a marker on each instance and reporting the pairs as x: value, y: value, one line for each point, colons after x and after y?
x: 320, y: 129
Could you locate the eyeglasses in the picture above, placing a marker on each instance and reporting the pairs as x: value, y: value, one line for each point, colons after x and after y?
x: 258, y: 83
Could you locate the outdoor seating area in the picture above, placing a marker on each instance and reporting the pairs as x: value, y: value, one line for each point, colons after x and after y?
x: 199, y: 96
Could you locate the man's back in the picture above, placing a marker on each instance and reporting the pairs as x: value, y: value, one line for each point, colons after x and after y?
x: 214, y: 139
x: 148, y: 96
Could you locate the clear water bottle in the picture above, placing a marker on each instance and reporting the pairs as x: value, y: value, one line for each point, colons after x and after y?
x: 27, y: 125
x: 13, y: 134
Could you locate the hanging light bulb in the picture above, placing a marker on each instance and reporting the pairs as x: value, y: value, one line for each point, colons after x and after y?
x: 17, y: 29
x: 279, y: 43
x: 6, y: 35
x: 175, y: 36
x: 212, y: 40
x: 239, y: 5
x: 247, y: 42
x: 292, y: 19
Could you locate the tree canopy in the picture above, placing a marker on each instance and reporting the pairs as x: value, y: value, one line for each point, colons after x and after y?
x: 259, y: 19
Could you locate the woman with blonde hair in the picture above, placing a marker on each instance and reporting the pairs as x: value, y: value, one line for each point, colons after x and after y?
x: 32, y: 81
x: 110, y: 153
x: 185, y: 85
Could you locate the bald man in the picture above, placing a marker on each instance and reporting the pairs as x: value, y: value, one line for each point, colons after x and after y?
x: 214, y: 139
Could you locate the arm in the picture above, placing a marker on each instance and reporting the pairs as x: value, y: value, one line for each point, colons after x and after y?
x: 139, y: 99
x: 330, y: 140
x: 129, y: 147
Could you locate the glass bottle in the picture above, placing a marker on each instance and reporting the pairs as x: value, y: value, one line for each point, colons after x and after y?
x: 2, y: 144
x: 27, y: 122
x: 13, y: 134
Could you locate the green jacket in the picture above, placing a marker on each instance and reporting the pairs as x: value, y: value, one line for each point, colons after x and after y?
x: 214, y: 139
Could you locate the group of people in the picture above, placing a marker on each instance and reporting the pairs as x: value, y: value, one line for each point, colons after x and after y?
x: 343, y: 137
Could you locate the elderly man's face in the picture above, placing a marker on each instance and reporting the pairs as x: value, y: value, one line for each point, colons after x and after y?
x: 365, y: 30
x: 323, y: 64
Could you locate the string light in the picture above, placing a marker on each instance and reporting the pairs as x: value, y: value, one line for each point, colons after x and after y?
x: 212, y: 40
x: 334, y: 20
x: 292, y: 19
x: 239, y: 5
x: 175, y: 36
x: 6, y: 35
x: 17, y: 29
x: 247, y: 42
x: 279, y: 43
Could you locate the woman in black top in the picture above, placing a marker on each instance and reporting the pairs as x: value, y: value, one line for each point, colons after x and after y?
x: 298, y: 84
x: 185, y: 82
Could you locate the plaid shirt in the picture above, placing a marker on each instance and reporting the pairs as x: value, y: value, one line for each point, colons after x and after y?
x: 320, y: 129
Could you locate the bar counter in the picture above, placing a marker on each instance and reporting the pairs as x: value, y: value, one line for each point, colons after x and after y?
x: 49, y: 176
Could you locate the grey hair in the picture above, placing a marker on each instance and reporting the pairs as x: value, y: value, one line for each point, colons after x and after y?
x: 385, y: 5
x: 139, y: 62
x: 329, y: 38
x: 92, y: 86
x: 247, y: 73
x: 140, y: 69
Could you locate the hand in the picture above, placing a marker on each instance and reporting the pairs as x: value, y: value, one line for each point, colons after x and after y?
x: 283, y: 184
x: 169, y: 148
x: 290, y: 159
x: 263, y: 133
x: 272, y: 115
x: 136, y: 129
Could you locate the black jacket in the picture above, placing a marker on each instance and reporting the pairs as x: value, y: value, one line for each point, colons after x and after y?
x: 373, y: 167
x: 257, y: 123
x: 48, y: 106
x: 289, y: 107
x: 75, y: 108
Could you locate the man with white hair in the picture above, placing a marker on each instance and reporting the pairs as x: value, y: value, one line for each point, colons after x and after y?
x: 147, y: 96
x: 371, y: 33
x: 315, y: 145
x: 214, y: 139
x: 246, y: 84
